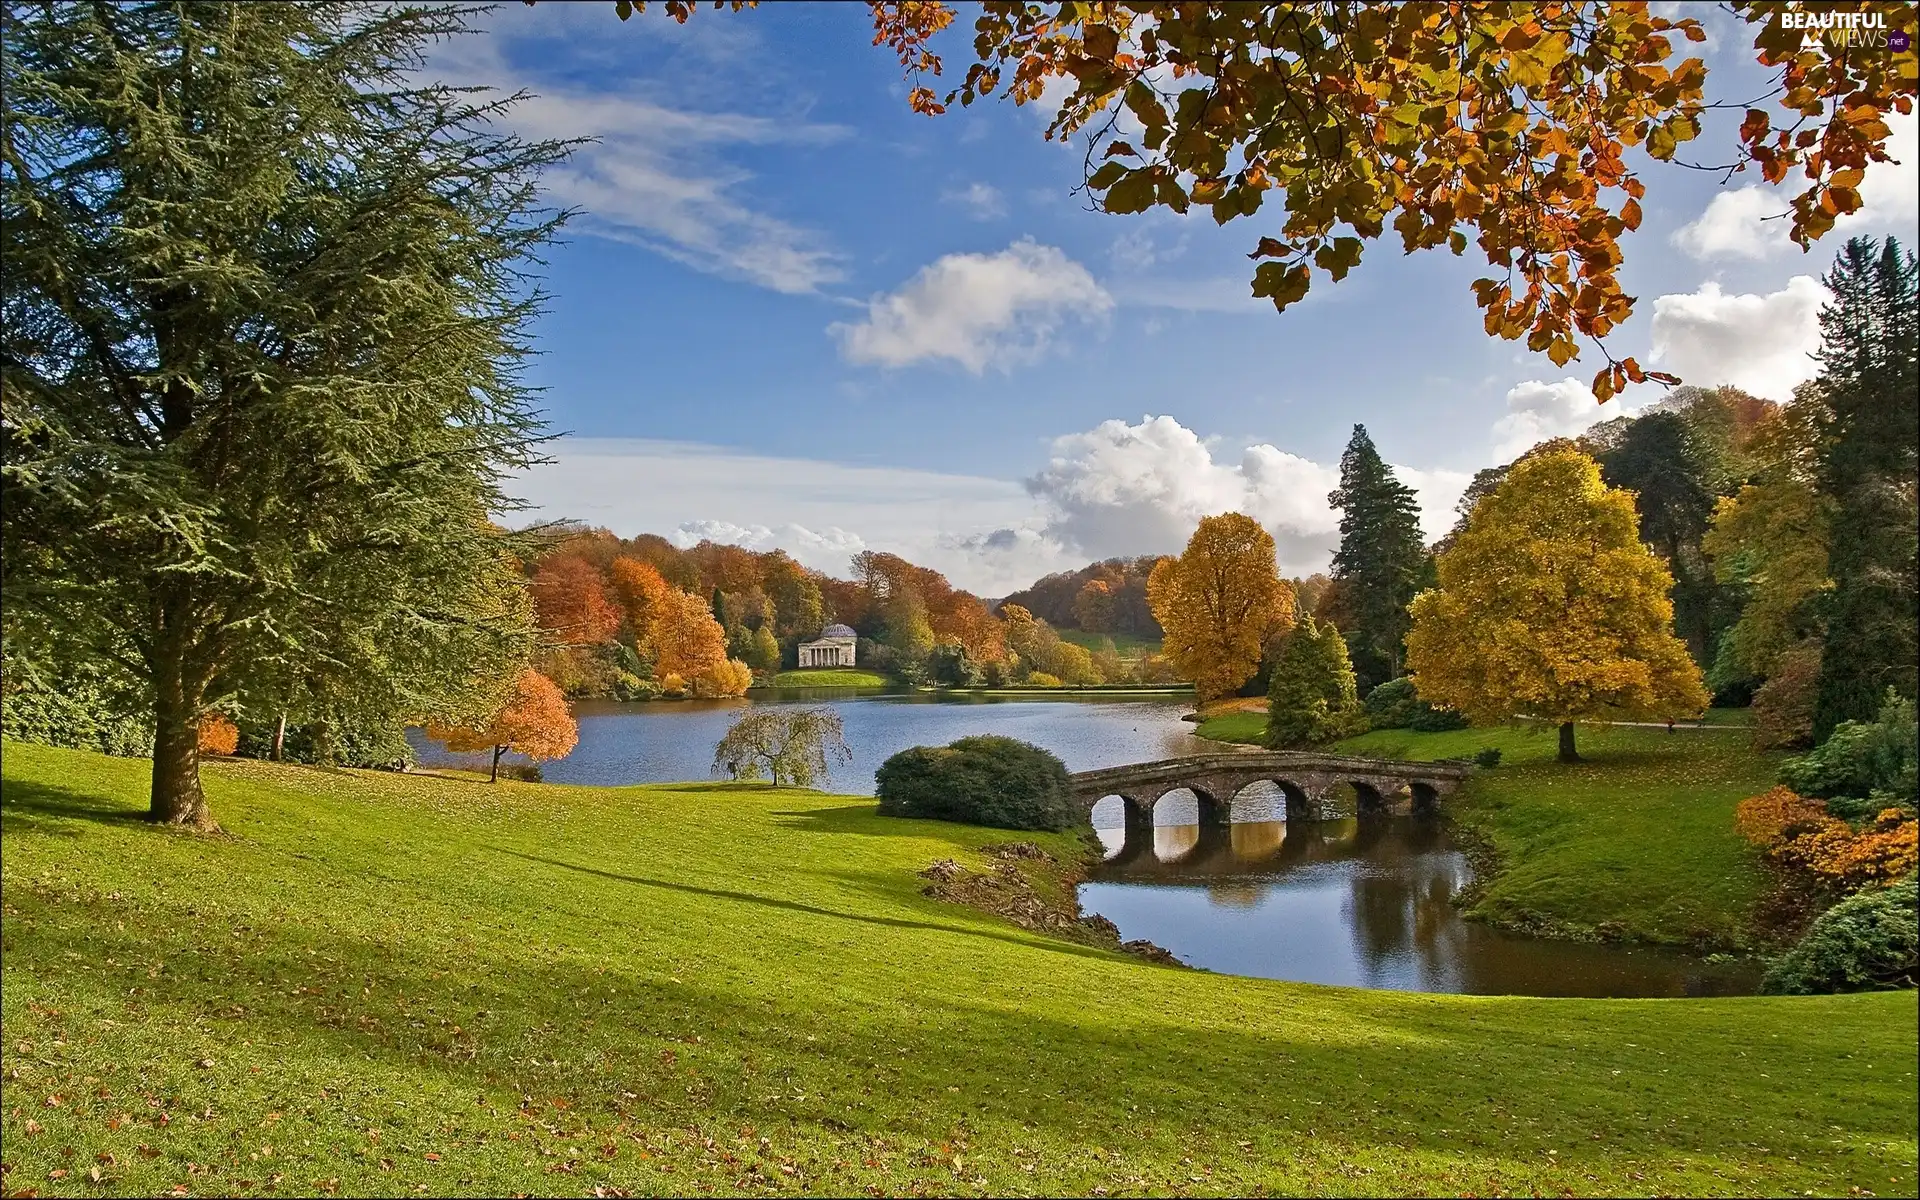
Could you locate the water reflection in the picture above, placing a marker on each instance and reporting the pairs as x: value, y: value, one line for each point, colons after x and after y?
x: 1359, y: 902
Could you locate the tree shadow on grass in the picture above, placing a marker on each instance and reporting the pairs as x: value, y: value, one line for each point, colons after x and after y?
x: 1035, y: 941
x: 50, y: 808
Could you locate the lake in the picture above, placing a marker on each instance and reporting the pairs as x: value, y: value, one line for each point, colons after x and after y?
x: 1358, y: 903
x: 671, y: 741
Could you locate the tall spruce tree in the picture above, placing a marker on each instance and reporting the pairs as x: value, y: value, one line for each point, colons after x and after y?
x: 1382, y: 559
x: 265, y: 302
x: 1870, y: 340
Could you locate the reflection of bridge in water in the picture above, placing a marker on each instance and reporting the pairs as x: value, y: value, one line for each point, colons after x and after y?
x: 1311, y: 784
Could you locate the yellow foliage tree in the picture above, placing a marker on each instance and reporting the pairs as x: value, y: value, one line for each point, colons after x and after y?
x: 535, y: 722
x: 1219, y: 602
x: 1550, y: 606
x: 686, y: 640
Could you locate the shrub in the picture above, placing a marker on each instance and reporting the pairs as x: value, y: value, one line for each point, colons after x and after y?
x: 1488, y: 758
x: 1860, y: 758
x: 76, y: 710
x: 1395, y: 705
x: 1802, y: 833
x: 218, y: 734
x: 982, y: 780
x: 1865, y: 942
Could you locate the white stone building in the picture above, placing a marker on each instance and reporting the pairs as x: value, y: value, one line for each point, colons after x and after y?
x: 833, y: 648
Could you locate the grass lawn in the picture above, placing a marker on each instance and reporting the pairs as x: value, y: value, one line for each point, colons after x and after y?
x: 391, y: 984
x: 1638, y: 841
x: 829, y: 678
x: 1126, y: 645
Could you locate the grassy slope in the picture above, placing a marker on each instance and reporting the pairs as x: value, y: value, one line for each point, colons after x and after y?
x: 399, y: 983
x: 829, y: 678
x: 1126, y: 645
x: 1638, y: 841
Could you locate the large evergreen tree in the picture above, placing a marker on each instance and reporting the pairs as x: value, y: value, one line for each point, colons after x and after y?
x: 1381, y: 561
x: 1870, y: 339
x: 1658, y: 459
x: 264, y: 309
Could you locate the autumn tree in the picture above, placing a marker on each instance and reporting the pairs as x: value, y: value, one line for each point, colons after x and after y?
x: 266, y: 301
x: 1219, y: 602
x: 534, y: 722
x: 570, y: 601
x: 1550, y: 606
x: 1381, y: 559
x: 1870, y: 468
x: 790, y: 747
x: 687, y: 641
x: 641, y: 593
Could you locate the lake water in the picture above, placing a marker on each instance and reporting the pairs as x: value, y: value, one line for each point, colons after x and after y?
x: 1352, y: 902
x: 670, y: 741
x: 1358, y: 903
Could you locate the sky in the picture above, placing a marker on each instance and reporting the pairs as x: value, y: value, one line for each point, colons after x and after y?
x: 790, y: 312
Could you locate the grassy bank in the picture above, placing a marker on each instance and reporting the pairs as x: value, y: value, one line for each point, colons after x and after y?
x: 1636, y: 842
x: 829, y: 678
x: 388, y: 984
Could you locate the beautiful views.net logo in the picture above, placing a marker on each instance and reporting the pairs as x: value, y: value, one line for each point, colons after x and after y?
x: 1867, y: 30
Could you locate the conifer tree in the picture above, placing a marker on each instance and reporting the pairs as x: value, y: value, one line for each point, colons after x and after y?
x: 265, y: 306
x: 1868, y: 351
x: 1381, y: 559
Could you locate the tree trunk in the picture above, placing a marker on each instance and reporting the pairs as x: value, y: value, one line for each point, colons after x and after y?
x: 279, y: 738
x: 497, y: 752
x: 176, y: 798
x: 1567, y: 753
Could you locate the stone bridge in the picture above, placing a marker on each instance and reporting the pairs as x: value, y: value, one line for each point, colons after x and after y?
x: 1388, y: 786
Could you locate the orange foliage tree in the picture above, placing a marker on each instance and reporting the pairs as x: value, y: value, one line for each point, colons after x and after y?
x: 1503, y: 126
x: 535, y: 722
x: 571, y: 603
x: 641, y: 591
x: 1219, y: 602
x: 687, y: 641
x: 218, y: 735
x: 1799, y: 832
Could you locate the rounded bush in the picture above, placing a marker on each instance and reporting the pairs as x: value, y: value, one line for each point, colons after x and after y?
x: 1869, y: 940
x: 983, y: 780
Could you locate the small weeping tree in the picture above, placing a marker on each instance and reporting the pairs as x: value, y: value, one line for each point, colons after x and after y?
x: 790, y: 747
x: 265, y: 301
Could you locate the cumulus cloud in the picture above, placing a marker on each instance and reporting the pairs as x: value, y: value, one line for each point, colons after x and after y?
x: 1121, y: 489
x: 1749, y: 222
x: 982, y: 201
x: 976, y: 310
x: 1538, y: 410
x: 1757, y: 342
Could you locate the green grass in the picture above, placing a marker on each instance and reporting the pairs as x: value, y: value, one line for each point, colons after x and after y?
x: 829, y: 678
x: 1245, y: 727
x: 389, y: 985
x: 1126, y: 645
x: 1636, y: 842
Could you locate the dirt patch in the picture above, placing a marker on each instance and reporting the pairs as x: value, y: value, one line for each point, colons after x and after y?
x: 1006, y: 891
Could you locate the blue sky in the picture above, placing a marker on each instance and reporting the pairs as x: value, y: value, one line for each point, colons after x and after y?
x: 794, y: 313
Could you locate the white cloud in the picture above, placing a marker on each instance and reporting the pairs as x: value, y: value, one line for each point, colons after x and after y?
x: 1757, y: 342
x: 1538, y: 410
x: 1747, y: 222
x: 1121, y: 489
x: 982, y: 201
x: 655, y: 175
x: 976, y: 309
